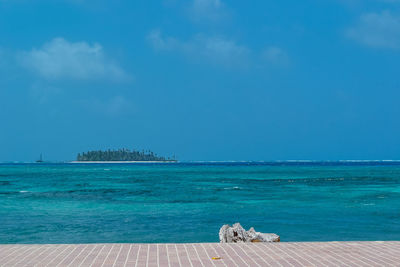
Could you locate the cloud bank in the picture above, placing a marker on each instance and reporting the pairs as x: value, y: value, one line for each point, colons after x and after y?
x: 218, y: 50
x: 60, y: 59
x: 207, y: 10
x: 215, y: 49
x: 380, y: 30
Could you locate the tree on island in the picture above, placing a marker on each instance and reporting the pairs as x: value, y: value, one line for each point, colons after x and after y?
x: 121, y: 155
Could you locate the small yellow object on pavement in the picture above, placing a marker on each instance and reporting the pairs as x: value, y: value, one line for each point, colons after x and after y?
x: 216, y: 258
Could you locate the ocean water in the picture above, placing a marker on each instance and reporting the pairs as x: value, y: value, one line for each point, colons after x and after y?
x: 189, y: 202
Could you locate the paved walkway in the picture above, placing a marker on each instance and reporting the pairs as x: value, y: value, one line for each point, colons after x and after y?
x: 204, y: 254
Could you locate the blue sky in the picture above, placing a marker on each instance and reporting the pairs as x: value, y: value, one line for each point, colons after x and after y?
x: 204, y: 79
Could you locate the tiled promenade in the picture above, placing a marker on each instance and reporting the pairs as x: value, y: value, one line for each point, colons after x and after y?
x: 204, y: 254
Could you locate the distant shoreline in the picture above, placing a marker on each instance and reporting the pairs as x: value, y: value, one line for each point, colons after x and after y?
x: 107, y: 162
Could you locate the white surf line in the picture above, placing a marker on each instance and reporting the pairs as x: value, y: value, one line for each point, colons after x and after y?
x: 119, y: 252
x: 228, y: 244
x: 137, y: 256
x: 30, y: 253
x: 209, y: 257
x: 198, y: 256
x: 228, y: 254
x: 177, y: 254
x: 98, y: 254
x: 216, y: 253
x: 188, y: 256
x: 244, y: 252
x: 58, y: 255
x: 95, y: 246
x: 72, y: 250
x: 108, y: 254
x: 78, y: 255
x: 127, y: 256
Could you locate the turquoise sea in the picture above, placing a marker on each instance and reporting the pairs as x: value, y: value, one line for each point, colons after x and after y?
x: 189, y: 202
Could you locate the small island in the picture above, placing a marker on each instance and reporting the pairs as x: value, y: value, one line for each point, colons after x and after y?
x: 121, y: 156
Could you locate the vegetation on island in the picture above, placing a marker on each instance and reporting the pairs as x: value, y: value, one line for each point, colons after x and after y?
x: 121, y: 155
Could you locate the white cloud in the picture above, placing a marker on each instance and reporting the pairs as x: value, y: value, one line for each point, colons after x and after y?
x: 207, y: 10
x: 381, y: 30
x: 275, y: 55
x: 215, y: 49
x: 162, y: 43
x: 60, y: 59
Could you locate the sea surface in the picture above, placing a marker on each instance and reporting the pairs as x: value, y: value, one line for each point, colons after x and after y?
x: 189, y: 202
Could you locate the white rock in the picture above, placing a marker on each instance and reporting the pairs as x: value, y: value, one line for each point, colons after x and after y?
x: 237, y: 234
